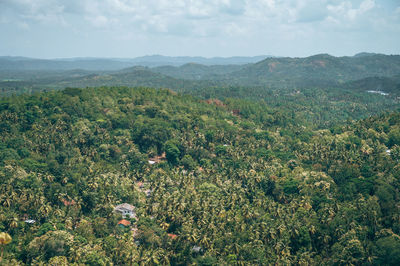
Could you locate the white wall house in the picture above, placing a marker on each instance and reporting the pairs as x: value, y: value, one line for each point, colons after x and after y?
x: 125, y: 210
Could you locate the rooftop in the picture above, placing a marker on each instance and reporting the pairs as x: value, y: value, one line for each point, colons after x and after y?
x: 125, y: 206
x: 124, y: 222
x: 172, y: 236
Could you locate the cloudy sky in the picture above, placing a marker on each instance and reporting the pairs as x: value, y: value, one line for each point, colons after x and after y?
x: 130, y: 28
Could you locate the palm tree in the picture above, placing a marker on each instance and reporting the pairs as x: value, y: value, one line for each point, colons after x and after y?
x: 5, y: 239
x: 14, y: 223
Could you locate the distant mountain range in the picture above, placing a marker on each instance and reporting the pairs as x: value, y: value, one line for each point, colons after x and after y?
x: 321, y: 70
x: 364, y: 70
x: 113, y: 64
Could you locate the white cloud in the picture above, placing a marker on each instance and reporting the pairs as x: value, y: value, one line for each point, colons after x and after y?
x: 367, y: 5
x: 218, y: 21
x: 25, y: 11
x: 346, y: 10
x: 98, y: 21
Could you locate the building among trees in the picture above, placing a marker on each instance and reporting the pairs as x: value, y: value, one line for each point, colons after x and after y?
x: 125, y: 210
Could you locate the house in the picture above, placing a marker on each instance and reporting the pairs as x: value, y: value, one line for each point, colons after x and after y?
x: 30, y: 221
x: 124, y: 223
x: 68, y: 203
x: 126, y: 210
x: 172, y: 236
x: 148, y: 192
x: 236, y: 112
x: 139, y: 184
x: 196, y: 249
x: 158, y: 159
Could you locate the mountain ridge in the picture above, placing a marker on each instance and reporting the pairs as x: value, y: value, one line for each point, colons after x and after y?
x: 113, y: 64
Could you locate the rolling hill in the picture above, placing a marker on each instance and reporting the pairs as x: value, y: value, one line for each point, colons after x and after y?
x: 317, y: 70
x: 383, y: 84
x: 114, y: 64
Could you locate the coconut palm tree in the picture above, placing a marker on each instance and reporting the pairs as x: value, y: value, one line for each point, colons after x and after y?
x: 5, y: 239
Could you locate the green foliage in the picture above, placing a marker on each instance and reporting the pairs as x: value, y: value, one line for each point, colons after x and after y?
x: 394, y: 137
x: 302, y: 240
x: 264, y: 153
x: 172, y: 152
x: 206, y: 261
x: 44, y: 228
x: 261, y: 185
x: 95, y: 259
x: 188, y: 162
x: 387, y: 250
x: 291, y: 186
x: 220, y: 150
x: 53, y: 248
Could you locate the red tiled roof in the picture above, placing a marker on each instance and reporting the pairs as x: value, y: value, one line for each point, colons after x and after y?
x: 69, y: 203
x: 124, y: 222
x: 172, y: 236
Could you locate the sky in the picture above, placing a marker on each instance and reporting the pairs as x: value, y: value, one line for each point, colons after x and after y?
x: 131, y: 28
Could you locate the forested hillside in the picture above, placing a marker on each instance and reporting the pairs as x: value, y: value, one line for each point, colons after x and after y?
x: 315, y: 71
x: 193, y: 71
x: 381, y: 84
x: 318, y: 70
x: 319, y: 91
x: 314, y: 107
x: 230, y: 181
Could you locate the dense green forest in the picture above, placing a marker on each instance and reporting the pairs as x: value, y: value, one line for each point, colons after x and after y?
x: 220, y: 179
x: 313, y: 107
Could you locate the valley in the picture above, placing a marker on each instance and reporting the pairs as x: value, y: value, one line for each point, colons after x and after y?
x: 281, y: 161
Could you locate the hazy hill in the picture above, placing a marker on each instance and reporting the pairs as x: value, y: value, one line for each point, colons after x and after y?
x: 135, y: 76
x: 19, y: 64
x: 318, y: 70
x: 159, y: 60
x: 382, y: 84
x: 197, y: 71
x: 321, y: 70
x: 112, y: 64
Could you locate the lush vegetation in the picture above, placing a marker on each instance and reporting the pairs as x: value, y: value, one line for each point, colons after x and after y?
x: 313, y: 107
x: 242, y: 182
x: 319, y: 71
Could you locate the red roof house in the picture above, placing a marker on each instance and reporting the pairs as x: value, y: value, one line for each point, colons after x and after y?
x: 124, y: 223
x: 172, y: 236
